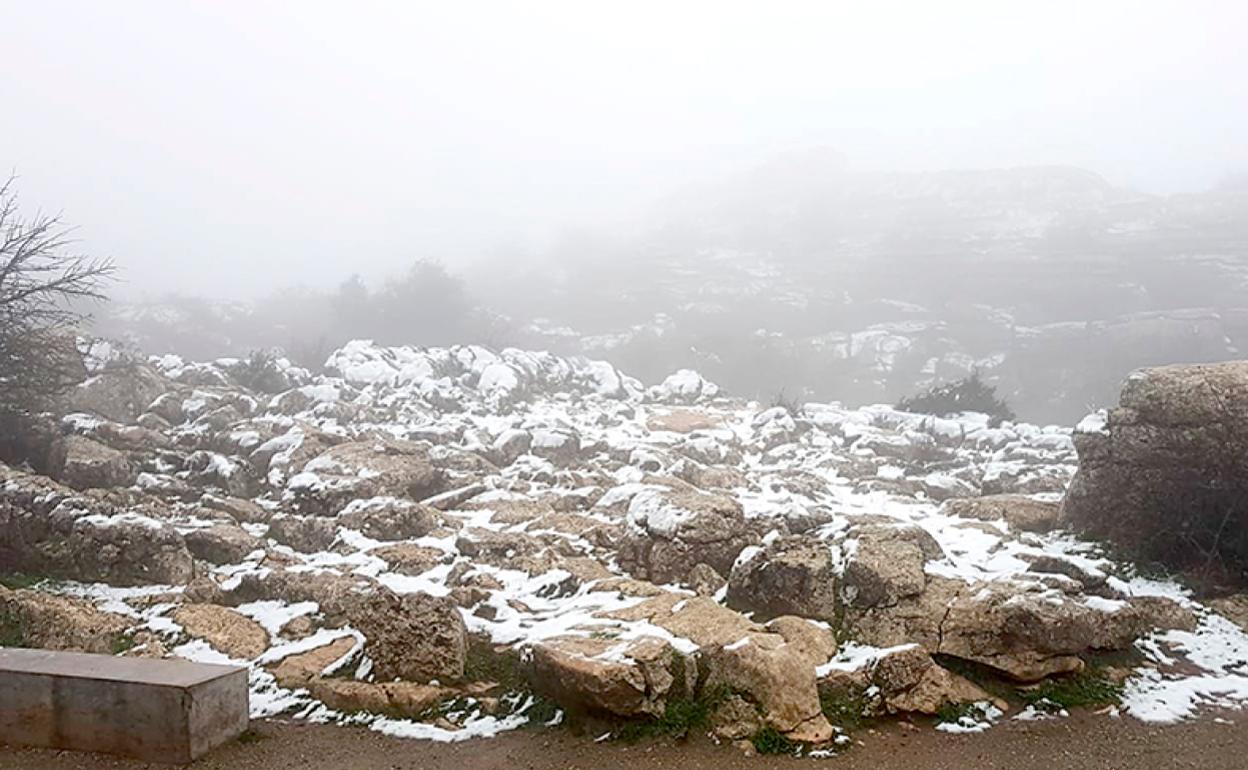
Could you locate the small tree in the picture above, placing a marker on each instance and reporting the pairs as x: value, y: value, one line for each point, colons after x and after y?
x: 42, y: 286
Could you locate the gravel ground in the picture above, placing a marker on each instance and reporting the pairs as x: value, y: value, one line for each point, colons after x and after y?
x: 1083, y: 741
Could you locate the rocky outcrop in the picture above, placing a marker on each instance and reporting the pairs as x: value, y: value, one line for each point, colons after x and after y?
x: 31, y: 618
x: 120, y: 394
x: 773, y: 668
x: 1023, y: 513
x: 416, y: 637
x: 672, y: 531
x: 89, y: 464
x: 633, y: 678
x: 361, y: 470
x: 47, y: 529
x: 228, y: 631
x: 1025, y: 630
x: 792, y: 576
x: 221, y: 543
x: 886, y: 564
x: 412, y: 636
x: 1165, y: 474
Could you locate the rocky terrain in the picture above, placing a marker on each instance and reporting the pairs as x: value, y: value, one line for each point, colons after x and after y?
x: 450, y: 542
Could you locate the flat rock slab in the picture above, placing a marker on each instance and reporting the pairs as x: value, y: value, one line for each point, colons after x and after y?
x: 157, y: 710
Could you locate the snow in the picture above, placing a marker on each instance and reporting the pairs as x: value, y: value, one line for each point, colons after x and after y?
x: 513, y: 395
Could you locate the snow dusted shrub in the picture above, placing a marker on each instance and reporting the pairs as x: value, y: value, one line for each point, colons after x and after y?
x: 261, y: 372
x: 969, y: 394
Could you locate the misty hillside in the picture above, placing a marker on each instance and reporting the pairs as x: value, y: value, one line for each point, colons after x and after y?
x: 807, y: 278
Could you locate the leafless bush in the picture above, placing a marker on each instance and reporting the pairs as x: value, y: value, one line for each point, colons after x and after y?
x: 43, y: 285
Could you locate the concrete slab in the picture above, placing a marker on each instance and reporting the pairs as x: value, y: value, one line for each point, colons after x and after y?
x: 157, y: 710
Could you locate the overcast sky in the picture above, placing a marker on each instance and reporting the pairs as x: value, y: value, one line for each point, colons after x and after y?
x: 228, y: 147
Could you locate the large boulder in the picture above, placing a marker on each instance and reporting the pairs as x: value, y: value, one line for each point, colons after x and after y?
x: 90, y: 464
x: 411, y: 636
x: 365, y: 469
x: 120, y: 394
x: 1021, y: 628
x: 30, y: 618
x: 773, y: 668
x: 791, y: 576
x: 1023, y: 513
x: 886, y: 564
x: 389, y: 518
x: 226, y: 630
x: 47, y: 529
x: 599, y: 675
x: 1165, y: 474
x: 671, y: 531
x: 221, y: 543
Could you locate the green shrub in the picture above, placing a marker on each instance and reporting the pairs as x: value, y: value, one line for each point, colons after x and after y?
x: 969, y: 394
x: 842, y: 707
x: 680, y: 717
x: 770, y: 741
x: 16, y: 581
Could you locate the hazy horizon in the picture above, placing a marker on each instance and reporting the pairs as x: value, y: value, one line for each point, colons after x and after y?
x: 271, y: 144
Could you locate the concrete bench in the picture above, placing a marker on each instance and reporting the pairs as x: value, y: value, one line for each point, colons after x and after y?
x: 156, y: 710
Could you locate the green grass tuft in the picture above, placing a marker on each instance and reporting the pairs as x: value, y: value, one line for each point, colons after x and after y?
x: 121, y: 643
x: 845, y: 708
x: 769, y: 741
x: 18, y: 580
x: 680, y: 717
x: 1088, y: 688
x: 953, y: 712
x: 12, y: 632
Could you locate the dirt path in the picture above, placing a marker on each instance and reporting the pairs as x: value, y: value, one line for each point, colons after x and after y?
x: 1084, y: 741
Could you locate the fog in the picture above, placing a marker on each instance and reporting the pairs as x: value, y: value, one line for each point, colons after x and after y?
x: 228, y: 149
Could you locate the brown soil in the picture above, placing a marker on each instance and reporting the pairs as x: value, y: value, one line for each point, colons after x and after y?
x: 1084, y: 741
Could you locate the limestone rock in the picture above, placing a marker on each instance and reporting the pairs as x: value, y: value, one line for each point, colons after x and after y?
x: 792, y: 576
x: 1171, y: 458
x: 600, y: 675
x: 221, y: 544
x: 33, y: 618
x: 1019, y: 511
x: 90, y: 464
x: 671, y: 531
x: 228, y: 631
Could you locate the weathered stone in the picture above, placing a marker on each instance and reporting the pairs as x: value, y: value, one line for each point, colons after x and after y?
x: 308, y: 534
x: 1166, y: 474
x: 30, y: 618
x: 1020, y: 512
x: 910, y: 681
x: 410, y: 559
x: 228, y: 631
x: 416, y: 637
x: 365, y: 469
x: 389, y: 518
x: 299, y: 669
x: 119, y: 394
x: 221, y: 544
x: 886, y: 565
x: 598, y: 675
x: 672, y: 531
x: 791, y: 576
x: 92, y: 464
x: 47, y: 529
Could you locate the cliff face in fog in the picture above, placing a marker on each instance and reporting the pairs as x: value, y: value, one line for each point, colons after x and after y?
x: 805, y: 277
x: 823, y: 283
